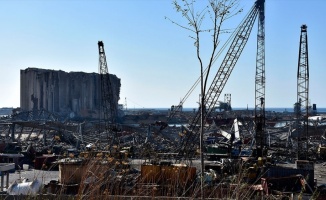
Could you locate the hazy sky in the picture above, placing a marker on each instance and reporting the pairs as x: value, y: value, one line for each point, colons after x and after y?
x: 154, y: 58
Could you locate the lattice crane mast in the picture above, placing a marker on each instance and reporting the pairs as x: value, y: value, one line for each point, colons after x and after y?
x: 302, y: 106
x: 260, y: 82
x: 108, y: 101
x: 191, y: 138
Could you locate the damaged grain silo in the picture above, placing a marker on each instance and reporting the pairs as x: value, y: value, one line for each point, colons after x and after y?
x: 67, y: 94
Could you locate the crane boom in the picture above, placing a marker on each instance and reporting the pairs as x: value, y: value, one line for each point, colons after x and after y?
x: 260, y: 83
x: 180, y: 105
x: 191, y: 138
x: 107, y: 98
x: 303, y: 94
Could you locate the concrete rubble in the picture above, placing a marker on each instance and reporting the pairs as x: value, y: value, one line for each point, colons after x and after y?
x: 146, y: 162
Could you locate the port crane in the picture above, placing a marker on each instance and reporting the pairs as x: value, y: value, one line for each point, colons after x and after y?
x: 187, y: 147
x: 108, y: 101
x: 302, y: 106
x: 260, y: 123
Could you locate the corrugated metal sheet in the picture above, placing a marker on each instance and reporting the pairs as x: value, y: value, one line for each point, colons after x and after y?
x: 160, y: 174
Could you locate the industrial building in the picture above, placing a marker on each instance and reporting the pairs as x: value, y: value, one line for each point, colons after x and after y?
x: 67, y: 94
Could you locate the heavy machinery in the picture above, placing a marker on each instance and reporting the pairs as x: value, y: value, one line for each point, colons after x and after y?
x: 260, y: 83
x: 301, y: 108
x: 191, y: 138
x: 108, y: 100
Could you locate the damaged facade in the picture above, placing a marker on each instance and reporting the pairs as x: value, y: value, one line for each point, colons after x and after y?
x: 67, y: 94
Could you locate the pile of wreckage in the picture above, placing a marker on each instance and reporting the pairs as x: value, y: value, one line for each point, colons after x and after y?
x: 145, y: 163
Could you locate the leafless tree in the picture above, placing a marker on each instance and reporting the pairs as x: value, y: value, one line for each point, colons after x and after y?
x: 197, y: 22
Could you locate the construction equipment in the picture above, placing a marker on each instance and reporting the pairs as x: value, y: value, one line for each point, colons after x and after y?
x: 108, y: 100
x: 227, y: 101
x: 178, y: 108
x: 260, y: 83
x: 191, y: 138
x: 301, y: 108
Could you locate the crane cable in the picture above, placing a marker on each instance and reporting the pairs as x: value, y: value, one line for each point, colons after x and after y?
x: 206, y: 69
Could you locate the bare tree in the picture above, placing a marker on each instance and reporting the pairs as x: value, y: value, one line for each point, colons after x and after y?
x: 197, y: 22
x: 218, y: 11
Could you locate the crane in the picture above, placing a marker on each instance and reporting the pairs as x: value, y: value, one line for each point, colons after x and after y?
x: 260, y: 83
x: 178, y: 107
x: 302, y: 93
x: 108, y: 100
x: 186, y: 149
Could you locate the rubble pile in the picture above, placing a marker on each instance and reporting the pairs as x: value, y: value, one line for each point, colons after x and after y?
x: 90, y: 164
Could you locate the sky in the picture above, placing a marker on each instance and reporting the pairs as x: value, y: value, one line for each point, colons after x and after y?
x: 155, y: 59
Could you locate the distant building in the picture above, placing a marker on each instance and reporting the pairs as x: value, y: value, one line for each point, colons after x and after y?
x: 6, y: 111
x: 73, y: 93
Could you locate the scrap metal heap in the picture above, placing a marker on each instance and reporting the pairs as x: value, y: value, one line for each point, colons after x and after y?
x: 238, y: 171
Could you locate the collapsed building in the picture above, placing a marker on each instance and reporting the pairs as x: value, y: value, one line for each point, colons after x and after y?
x: 67, y: 94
